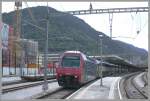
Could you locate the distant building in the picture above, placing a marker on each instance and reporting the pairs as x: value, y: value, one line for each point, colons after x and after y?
x: 16, y: 54
x: 30, y: 49
x: 7, y: 44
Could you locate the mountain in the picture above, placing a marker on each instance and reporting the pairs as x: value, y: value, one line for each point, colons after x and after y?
x: 67, y: 32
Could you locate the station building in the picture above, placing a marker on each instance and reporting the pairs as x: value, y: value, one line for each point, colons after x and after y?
x: 17, y: 54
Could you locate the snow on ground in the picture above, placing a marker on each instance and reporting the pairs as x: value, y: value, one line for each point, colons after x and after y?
x: 10, y: 79
x: 28, y: 92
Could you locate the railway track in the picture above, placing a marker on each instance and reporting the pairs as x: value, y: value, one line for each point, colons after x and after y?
x: 24, y: 81
x: 60, y: 93
x: 143, y: 90
x: 132, y: 91
x: 23, y: 86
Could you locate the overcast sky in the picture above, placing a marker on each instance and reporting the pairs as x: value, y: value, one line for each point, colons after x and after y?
x: 124, y: 24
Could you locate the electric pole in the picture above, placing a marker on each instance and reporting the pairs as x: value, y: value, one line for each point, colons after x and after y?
x: 45, y: 85
x: 101, y: 70
x: 17, y: 31
x: 1, y: 70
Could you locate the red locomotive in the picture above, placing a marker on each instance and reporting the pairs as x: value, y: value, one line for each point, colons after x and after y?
x: 75, y: 69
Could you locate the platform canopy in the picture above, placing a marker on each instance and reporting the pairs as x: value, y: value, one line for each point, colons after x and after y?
x: 114, y: 59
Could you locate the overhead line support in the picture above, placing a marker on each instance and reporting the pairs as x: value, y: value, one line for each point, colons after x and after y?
x: 109, y: 10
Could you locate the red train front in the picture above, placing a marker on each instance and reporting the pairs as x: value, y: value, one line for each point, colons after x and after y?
x: 69, y: 69
x: 75, y: 69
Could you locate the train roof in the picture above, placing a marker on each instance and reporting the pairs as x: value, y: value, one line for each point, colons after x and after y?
x: 85, y: 57
x: 73, y: 52
x: 104, y: 63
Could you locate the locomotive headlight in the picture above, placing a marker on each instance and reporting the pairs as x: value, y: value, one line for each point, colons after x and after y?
x: 76, y: 76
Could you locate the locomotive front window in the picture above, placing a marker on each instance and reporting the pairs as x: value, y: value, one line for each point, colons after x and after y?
x: 71, y: 61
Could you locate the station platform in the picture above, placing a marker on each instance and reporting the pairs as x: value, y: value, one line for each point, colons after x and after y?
x: 139, y: 80
x: 109, y: 90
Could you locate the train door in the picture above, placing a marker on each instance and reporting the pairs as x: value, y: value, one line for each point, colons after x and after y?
x: 85, y: 71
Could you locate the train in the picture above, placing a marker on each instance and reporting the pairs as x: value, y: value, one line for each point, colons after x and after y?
x: 75, y: 69
x: 37, y: 74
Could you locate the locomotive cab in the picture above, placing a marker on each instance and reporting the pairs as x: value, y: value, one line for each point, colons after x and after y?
x: 75, y: 69
x: 68, y: 71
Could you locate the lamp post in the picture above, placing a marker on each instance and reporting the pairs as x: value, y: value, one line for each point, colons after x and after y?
x: 101, y: 74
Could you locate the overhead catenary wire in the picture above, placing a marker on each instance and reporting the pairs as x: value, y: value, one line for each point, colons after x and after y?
x: 38, y: 27
x: 146, y: 22
x: 132, y: 20
x: 133, y: 24
x: 30, y: 12
x: 138, y: 25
